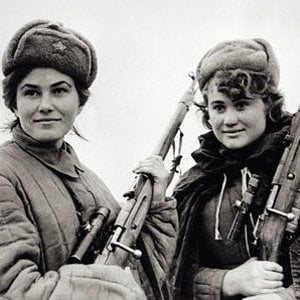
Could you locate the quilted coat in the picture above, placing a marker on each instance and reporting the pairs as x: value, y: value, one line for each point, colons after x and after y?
x: 45, y: 196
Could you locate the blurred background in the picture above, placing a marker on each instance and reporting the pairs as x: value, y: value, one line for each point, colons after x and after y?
x: 145, y: 50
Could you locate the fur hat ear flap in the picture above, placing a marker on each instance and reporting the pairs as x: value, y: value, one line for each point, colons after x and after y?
x: 43, y: 43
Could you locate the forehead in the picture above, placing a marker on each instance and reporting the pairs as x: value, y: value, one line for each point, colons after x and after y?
x: 213, y: 84
x: 213, y: 93
x: 216, y: 90
x: 45, y: 76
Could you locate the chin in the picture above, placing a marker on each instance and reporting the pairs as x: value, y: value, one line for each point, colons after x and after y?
x: 235, y: 145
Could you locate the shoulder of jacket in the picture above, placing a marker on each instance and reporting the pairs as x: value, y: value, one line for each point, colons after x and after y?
x: 11, y: 157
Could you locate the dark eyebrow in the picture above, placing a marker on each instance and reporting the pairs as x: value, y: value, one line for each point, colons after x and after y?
x: 28, y: 85
x: 34, y: 86
x: 217, y: 102
x: 242, y: 99
x: 61, y: 82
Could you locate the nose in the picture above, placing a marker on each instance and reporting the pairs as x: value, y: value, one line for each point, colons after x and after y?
x: 231, y: 117
x: 46, y: 104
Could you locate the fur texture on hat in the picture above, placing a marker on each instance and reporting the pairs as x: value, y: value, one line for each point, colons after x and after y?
x: 46, y: 44
x: 253, y: 55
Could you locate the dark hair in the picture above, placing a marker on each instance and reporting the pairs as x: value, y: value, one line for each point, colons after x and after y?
x: 238, y: 84
x: 10, y: 84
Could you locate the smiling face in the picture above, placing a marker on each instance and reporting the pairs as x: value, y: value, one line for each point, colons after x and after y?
x: 47, y: 105
x: 237, y: 123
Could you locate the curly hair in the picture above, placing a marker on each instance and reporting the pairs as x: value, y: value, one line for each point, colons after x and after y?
x: 238, y: 84
x: 9, y: 90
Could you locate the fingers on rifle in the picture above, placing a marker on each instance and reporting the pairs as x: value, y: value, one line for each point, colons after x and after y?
x: 272, y: 284
x: 274, y: 276
x: 272, y: 266
x: 151, y: 163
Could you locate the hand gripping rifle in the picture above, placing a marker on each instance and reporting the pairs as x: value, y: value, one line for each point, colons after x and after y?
x: 130, y: 219
x: 282, y: 210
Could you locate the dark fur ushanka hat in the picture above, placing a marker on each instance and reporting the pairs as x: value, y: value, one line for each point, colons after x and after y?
x: 43, y: 43
x: 254, y: 55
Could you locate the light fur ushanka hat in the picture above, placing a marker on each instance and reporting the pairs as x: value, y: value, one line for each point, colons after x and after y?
x: 43, y: 43
x: 253, y: 55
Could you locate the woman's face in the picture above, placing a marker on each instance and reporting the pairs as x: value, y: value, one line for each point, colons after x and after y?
x: 47, y: 105
x: 237, y: 123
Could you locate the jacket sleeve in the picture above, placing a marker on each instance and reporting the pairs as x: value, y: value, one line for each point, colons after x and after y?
x: 159, y: 235
x: 20, y: 276
x: 207, y: 283
x: 288, y: 294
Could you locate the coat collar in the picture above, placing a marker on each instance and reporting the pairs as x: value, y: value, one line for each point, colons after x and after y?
x: 62, y: 160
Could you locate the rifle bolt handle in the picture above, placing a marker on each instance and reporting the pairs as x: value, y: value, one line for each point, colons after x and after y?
x: 289, y: 216
x: 237, y: 203
x: 135, y: 252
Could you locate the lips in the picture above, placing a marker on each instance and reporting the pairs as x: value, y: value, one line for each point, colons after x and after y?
x: 233, y: 131
x: 46, y: 120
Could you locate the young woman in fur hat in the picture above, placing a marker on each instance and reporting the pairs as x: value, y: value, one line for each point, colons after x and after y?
x: 47, y: 194
x: 243, y: 110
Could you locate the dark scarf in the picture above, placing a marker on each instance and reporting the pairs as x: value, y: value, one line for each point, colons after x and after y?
x: 214, y: 159
x: 204, y: 180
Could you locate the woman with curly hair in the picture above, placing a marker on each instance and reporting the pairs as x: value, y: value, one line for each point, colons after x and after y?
x: 243, y: 110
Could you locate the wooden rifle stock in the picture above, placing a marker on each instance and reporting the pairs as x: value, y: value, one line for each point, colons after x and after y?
x: 280, y: 215
x: 130, y: 220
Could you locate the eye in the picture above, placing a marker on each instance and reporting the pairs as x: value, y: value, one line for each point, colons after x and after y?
x: 241, y: 105
x: 219, y: 108
x: 59, y: 91
x: 31, y: 93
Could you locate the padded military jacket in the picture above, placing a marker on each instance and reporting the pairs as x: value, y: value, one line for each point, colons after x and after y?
x: 45, y: 196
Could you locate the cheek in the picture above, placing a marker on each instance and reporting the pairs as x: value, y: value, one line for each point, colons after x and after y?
x: 263, y: 122
x: 261, y: 116
x: 214, y: 120
x: 70, y: 113
x: 258, y: 123
x: 22, y: 110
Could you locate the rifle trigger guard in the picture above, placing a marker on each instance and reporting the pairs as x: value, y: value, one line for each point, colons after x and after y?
x: 289, y: 216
